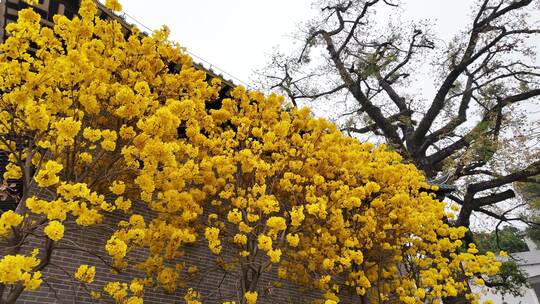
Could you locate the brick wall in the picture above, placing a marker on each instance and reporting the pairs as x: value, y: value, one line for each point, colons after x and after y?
x: 215, y: 284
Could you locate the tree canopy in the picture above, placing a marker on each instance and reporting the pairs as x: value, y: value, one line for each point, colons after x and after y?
x: 472, y: 132
x: 99, y: 123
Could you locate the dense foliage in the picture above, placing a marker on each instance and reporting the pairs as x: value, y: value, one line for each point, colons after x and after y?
x: 511, y: 279
x: 509, y: 239
x: 97, y: 123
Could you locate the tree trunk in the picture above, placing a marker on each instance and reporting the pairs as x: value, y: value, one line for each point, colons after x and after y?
x: 455, y: 300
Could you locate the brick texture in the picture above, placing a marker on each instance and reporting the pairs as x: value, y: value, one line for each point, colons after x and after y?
x: 215, y: 284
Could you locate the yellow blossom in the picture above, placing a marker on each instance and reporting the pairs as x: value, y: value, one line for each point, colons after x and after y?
x: 234, y: 216
x: 8, y: 220
x: 113, y: 5
x: 47, y: 175
x: 118, y: 187
x: 116, y: 248
x: 274, y: 255
x: 212, y: 235
x: 126, y: 122
x: 18, y: 268
x: 265, y: 242
x: 293, y: 239
x: 250, y: 297
x: 54, y: 230
x: 240, y: 239
x: 85, y: 273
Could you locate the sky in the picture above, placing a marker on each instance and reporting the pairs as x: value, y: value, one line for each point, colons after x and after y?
x: 237, y: 36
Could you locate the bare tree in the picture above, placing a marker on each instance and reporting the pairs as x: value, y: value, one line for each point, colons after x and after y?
x: 473, y: 131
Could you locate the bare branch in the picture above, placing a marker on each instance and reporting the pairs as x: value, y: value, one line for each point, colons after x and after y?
x: 494, y: 198
x: 469, y: 56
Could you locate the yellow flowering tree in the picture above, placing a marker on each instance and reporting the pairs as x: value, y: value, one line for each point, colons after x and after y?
x: 97, y: 122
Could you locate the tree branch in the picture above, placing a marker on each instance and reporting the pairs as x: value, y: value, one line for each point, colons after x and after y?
x: 468, y: 58
x: 531, y: 170
x: 494, y: 198
x: 373, y: 111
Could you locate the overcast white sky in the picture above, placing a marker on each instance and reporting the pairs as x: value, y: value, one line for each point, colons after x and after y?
x: 236, y: 36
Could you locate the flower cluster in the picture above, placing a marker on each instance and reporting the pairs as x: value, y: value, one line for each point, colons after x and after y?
x: 19, y: 269
x: 212, y: 235
x: 54, y: 230
x: 8, y: 220
x: 85, y: 273
x: 250, y: 297
x: 116, y: 248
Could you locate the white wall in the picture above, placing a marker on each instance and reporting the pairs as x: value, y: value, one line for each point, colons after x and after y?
x: 528, y: 298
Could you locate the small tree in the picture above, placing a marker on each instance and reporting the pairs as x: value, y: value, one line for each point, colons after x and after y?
x: 530, y: 193
x: 97, y: 123
x: 509, y: 239
x: 510, y: 279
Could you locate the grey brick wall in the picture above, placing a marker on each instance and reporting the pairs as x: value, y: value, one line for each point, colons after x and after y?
x: 215, y: 284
